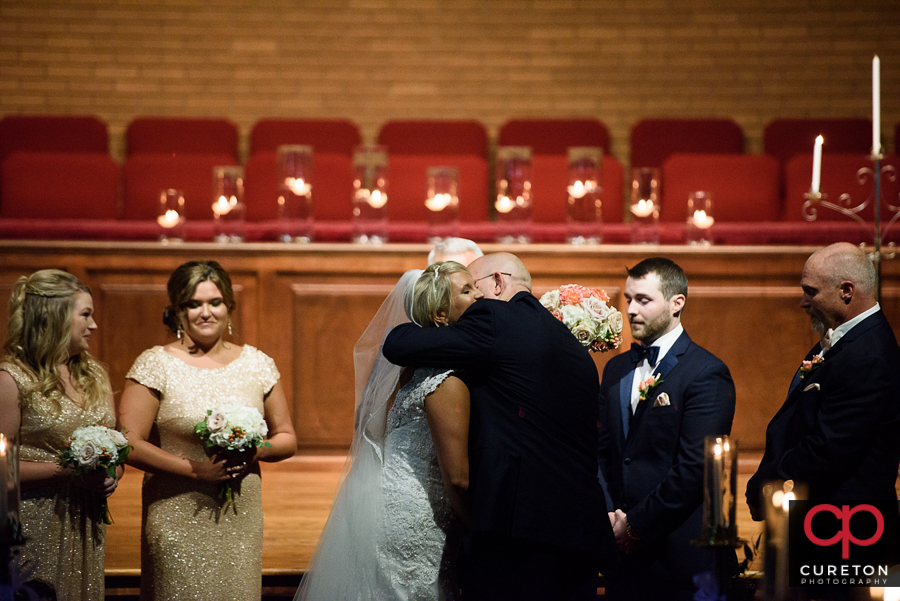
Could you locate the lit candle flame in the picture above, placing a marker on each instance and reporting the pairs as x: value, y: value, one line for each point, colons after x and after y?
x: 504, y: 204
x: 298, y: 186
x: 377, y: 200
x: 170, y: 219
x: 643, y: 208
x: 701, y: 220
x: 439, y: 201
x: 223, y: 206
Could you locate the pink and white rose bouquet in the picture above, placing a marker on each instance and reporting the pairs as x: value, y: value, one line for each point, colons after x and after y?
x: 95, y: 448
x: 588, y: 315
x: 235, y: 429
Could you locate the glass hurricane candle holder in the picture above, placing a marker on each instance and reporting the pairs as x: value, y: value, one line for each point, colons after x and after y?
x: 295, y: 177
x: 776, y: 504
x: 699, y: 218
x: 584, y: 215
x: 644, y: 207
x: 719, y: 526
x: 228, y: 204
x: 513, y: 204
x: 442, y: 203
x: 171, y: 217
x: 370, y: 196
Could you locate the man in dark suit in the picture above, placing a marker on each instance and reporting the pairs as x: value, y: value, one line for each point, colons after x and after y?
x: 837, y: 432
x: 651, y: 443
x: 535, y: 530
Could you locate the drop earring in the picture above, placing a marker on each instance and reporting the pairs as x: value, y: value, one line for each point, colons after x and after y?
x: 178, y: 333
x: 230, y: 333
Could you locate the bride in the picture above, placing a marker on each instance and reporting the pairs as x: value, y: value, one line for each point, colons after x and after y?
x: 397, y: 519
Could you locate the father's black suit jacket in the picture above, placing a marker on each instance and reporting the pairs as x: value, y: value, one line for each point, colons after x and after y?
x: 839, y: 429
x: 533, y: 425
x: 655, y: 473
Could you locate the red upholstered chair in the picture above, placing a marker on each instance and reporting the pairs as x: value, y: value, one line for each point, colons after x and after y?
x: 324, y: 135
x: 653, y: 140
x: 175, y: 136
x: 413, y: 146
x: 744, y: 187
x: 549, y: 140
x: 840, y: 175
x: 59, y: 185
x: 332, y: 141
x: 145, y: 175
x: 46, y: 133
x: 784, y: 138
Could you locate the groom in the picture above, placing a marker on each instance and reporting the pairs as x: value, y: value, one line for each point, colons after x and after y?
x: 652, y: 438
x: 536, y: 532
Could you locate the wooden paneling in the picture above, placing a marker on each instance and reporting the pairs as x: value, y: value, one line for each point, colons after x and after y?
x: 307, y: 305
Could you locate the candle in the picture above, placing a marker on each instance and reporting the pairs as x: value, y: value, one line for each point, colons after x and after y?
x: 377, y: 199
x: 170, y: 219
x: 577, y: 190
x: 298, y: 186
x: 643, y: 208
x: 5, y: 486
x: 504, y: 204
x: 438, y: 202
x: 817, y: 165
x: 701, y: 220
x: 876, y: 105
x: 221, y: 206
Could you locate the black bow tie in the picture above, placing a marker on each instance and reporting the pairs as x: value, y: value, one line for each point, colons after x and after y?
x: 640, y: 352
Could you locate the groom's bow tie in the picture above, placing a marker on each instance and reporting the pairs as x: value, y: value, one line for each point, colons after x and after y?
x: 640, y: 352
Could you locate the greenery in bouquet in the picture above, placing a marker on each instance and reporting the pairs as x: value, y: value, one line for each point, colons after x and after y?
x: 232, y: 429
x: 95, y: 448
x: 588, y: 315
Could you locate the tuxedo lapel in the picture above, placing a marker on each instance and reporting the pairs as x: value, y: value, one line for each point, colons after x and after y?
x: 666, y: 365
x: 625, y: 386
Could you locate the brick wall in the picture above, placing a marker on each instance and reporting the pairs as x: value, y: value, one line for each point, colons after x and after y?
x: 491, y: 60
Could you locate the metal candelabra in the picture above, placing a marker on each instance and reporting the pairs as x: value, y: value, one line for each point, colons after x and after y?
x: 845, y: 206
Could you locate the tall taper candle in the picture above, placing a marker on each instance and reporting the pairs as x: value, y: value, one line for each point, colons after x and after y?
x: 876, y: 105
x: 817, y: 165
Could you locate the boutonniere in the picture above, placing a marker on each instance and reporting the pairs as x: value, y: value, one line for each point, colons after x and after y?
x: 807, y: 367
x: 647, y: 386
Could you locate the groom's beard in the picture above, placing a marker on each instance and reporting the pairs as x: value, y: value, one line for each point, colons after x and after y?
x: 652, y: 329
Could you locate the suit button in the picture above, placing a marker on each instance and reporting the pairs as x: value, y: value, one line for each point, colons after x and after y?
x: 627, y: 461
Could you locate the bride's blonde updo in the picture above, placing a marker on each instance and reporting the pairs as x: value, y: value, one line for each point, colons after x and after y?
x: 431, y: 293
x: 40, y: 331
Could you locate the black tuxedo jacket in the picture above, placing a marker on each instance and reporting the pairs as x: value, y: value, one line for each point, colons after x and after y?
x: 837, y: 431
x: 655, y: 472
x: 533, y: 424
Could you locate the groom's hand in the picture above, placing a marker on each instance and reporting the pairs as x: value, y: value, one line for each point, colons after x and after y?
x: 618, y: 524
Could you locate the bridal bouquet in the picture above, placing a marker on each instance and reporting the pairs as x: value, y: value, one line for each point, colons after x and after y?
x: 587, y: 314
x: 235, y: 429
x: 92, y: 448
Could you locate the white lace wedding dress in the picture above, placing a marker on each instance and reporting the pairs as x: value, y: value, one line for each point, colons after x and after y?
x: 420, y: 536
x: 391, y: 534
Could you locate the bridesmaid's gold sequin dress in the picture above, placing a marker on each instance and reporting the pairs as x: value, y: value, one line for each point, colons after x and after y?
x: 194, y: 546
x: 63, y: 527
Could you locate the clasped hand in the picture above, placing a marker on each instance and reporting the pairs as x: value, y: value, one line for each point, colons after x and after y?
x: 224, y: 466
x: 619, y: 522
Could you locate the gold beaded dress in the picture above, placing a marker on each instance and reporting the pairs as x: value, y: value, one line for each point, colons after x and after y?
x: 65, y: 537
x: 194, y: 545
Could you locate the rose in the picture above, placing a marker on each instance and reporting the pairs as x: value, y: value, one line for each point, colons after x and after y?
x: 118, y: 438
x: 584, y: 331
x: 571, y: 314
x: 216, y: 421
x: 595, y: 308
x: 88, y: 455
x: 550, y: 300
x: 616, y: 322
x: 807, y: 365
x: 598, y: 294
x: 571, y: 295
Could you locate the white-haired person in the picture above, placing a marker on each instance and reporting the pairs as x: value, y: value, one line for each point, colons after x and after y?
x: 50, y: 385
x: 396, y: 522
x: 461, y: 250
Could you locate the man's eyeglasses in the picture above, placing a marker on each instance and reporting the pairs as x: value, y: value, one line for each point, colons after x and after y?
x: 490, y: 275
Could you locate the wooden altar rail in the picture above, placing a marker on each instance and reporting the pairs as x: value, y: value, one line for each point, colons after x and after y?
x: 306, y: 305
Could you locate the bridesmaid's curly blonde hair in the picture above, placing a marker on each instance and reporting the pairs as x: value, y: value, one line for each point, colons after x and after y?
x: 40, y: 330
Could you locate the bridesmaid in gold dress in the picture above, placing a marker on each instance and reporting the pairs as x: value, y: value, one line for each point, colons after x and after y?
x: 50, y: 386
x: 194, y: 545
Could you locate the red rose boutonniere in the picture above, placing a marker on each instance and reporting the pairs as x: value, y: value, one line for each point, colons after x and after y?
x: 807, y: 367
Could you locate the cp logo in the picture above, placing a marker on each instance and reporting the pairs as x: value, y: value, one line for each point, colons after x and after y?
x: 844, y: 536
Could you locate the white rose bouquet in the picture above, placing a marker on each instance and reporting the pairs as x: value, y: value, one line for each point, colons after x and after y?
x: 587, y: 314
x: 95, y: 448
x: 235, y: 429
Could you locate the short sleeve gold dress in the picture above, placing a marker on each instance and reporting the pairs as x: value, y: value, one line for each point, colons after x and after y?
x: 195, y: 546
x: 65, y: 537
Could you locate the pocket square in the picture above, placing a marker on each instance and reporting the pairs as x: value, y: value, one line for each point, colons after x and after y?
x: 662, y: 400
x: 813, y: 386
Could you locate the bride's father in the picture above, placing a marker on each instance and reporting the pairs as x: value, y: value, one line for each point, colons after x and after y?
x: 538, y: 529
